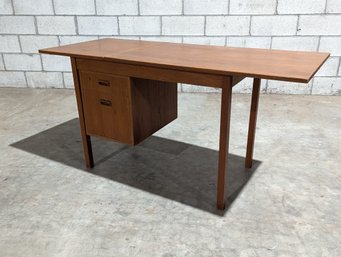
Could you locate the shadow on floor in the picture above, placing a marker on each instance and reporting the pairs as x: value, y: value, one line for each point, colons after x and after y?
x: 178, y: 171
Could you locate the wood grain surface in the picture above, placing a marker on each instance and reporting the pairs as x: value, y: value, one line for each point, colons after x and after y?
x: 296, y: 66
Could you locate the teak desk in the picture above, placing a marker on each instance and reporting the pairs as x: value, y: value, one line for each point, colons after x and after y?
x: 126, y: 90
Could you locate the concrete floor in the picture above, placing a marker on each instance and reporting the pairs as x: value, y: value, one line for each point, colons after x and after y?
x: 157, y: 199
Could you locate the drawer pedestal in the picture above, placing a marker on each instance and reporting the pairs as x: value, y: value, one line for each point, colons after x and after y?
x: 125, y: 109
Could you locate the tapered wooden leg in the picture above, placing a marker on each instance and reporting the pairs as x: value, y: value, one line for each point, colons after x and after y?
x: 226, y: 98
x: 252, y: 122
x: 89, y: 160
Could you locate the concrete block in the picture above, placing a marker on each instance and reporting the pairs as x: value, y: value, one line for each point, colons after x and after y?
x: 327, y: 86
x: 252, y: 42
x: 330, y: 67
x: 300, y: 7
x: 245, y: 86
x: 333, y: 6
x: 17, y: 25
x: 44, y: 79
x: 31, y: 44
x: 163, y: 39
x: 9, y: 44
x: 139, y: 25
x: 97, y: 25
x: 319, y: 25
x: 122, y: 37
x: 109, y: 7
x: 331, y: 45
x: 74, y: 7
x: 6, y: 7
x: 12, y: 79
x: 227, y: 25
x: 66, y: 40
x: 56, y: 63
x: 218, y: 41
x: 160, y: 7
x: 56, y: 25
x: 205, y: 7
x: 273, y: 25
x: 282, y: 87
x: 188, y: 88
x: 22, y: 62
x: 33, y: 6
x: 68, y: 80
x: 252, y: 6
x: 183, y: 25
x: 295, y: 43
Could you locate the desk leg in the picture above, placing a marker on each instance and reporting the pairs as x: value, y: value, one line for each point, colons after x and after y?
x: 226, y: 98
x: 252, y: 122
x: 89, y: 160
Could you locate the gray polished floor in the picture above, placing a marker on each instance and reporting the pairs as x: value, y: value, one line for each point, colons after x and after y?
x: 158, y: 198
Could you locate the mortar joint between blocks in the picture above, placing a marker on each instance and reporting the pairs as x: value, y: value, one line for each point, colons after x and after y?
x: 35, y: 24
x: 13, y: 10
x: 276, y: 7
x: 95, y: 6
x: 325, y: 6
x: 160, y: 26
x: 76, y: 25
x: 118, y: 26
x: 250, y: 24
x: 297, y: 25
x: 25, y: 78
x: 53, y: 7
x: 205, y: 22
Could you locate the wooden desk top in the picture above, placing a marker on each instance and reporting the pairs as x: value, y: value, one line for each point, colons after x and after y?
x: 247, y: 62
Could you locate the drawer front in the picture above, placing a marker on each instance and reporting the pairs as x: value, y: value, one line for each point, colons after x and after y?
x: 107, y: 105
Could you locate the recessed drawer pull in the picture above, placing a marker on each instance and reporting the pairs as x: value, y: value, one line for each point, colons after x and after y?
x: 105, y: 83
x: 105, y: 102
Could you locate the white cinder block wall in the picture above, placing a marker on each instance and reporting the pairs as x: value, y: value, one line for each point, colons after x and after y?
x: 27, y: 25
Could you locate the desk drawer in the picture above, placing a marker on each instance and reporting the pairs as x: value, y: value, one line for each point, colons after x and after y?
x: 107, y: 105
